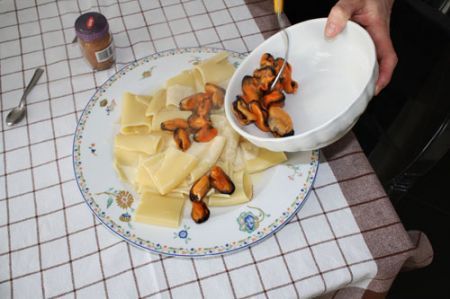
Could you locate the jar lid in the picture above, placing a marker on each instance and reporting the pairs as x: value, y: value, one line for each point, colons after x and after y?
x: 91, y: 26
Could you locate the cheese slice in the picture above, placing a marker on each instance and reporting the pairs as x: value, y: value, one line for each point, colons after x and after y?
x: 159, y: 210
x: 157, y: 103
x: 162, y: 116
x: 147, y: 144
x: 133, y: 119
x: 175, y: 168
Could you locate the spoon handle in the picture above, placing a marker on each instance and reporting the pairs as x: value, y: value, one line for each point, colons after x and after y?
x: 37, y: 74
x: 278, y: 6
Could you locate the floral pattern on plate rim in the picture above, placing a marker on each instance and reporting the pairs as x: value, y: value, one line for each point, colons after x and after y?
x: 248, y: 222
x: 126, y: 232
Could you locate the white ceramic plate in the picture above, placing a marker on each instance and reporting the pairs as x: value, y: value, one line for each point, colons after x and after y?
x: 278, y: 192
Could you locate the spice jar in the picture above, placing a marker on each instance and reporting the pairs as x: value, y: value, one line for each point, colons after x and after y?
x: 95, y: 40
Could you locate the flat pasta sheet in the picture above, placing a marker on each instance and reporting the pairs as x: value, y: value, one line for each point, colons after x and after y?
x: 148, y: 158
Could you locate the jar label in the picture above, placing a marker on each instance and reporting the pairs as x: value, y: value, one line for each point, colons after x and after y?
x: 105, y: 54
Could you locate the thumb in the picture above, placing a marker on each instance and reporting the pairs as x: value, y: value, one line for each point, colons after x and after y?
x: 338, y: 17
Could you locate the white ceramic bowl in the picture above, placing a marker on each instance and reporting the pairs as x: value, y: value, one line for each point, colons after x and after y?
x: 336, y: 82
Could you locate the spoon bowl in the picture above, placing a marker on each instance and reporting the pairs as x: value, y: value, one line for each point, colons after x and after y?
x: 18, y: 113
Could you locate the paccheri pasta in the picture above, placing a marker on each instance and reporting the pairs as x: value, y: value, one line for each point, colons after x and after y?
x: 152, y: 155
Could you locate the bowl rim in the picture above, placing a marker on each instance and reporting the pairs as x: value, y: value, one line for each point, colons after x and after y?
x: 236, y: 127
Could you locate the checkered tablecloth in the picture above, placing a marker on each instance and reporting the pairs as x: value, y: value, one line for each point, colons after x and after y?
x: 346, y: 242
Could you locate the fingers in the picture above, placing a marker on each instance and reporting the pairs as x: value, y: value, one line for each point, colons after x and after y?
x: 375, y: 18
x: 338, y: 17
x: 387, y: 58
x: 387, y: 66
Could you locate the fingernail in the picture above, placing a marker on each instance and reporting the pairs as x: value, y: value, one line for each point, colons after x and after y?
x: 377, y: 89
x: 331, y: 28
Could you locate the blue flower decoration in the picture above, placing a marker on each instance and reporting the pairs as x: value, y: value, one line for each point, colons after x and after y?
x: 182, y: 234
x: 249, y: 222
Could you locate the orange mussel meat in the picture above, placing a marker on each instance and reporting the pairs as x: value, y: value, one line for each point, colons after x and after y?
x: 280, y: 123
x: 173, y: 124
x: 221, y: 181
x: 260, y: 115
x: 205, y: 134
x: 200, y: 212
x: 200, y: 188
x: 241, y: 112
x: 181, y: 138
x: 217, y: 94
x: 190, y: 103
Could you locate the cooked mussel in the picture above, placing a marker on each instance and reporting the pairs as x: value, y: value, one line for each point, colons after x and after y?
x: 278, y: 65
x: 200, y: 212
x: 200, y: 188
x: 217, y: 94
x: 221, y: 181
x: 173, y: 124
x: 280, y: 123
x: 260, y: 116
x: 181, y: 138
x: 278, y: 85
x: 250, y: 89
x: 196, y: 122
x: 275, y: 97
x: 267, y: 60
x: 258, y: 97
x: 289, y: 85
x: 265, y: 77
x: 204, y: 105
x: 241, y: 112
x: 190, y: 103
x: 294, y: 85
x: 205, y: 134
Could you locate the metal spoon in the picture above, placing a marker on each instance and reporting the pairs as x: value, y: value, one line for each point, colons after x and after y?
x: 278, y: 7
x: 17, y: 113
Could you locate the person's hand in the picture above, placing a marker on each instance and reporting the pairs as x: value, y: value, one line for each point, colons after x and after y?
x: 374, y: 15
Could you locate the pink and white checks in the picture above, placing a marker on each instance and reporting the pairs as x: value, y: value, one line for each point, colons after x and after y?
x: 346, y: 242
